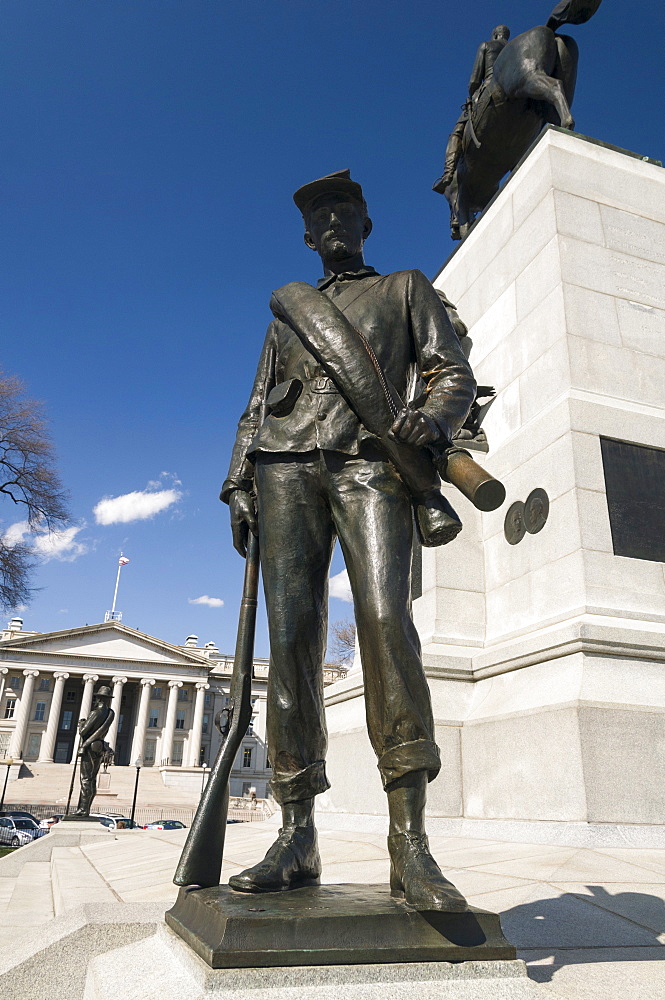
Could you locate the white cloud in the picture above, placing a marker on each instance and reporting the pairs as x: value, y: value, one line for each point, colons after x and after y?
x: 340, y: 587
x: 15, y: 533
x: 212, y: 602
x: 57, y: 544
x: 136, y: 506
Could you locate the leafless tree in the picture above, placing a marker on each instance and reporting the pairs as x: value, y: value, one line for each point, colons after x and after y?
x: 28, y: 477
x: 342, y: 640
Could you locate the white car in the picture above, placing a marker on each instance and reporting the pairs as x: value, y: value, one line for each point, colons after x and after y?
x: 19, y: 830
x: 113, y: 822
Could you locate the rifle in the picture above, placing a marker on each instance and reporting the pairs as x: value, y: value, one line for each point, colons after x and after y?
x: 201, y: 859
x: 71, y: 784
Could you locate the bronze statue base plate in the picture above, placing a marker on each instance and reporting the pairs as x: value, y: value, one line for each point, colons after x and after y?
x: 328, y: 925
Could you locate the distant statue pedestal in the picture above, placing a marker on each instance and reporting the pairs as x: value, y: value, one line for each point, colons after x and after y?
x: 544, y: 634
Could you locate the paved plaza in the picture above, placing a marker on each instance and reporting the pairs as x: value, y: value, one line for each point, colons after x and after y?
x: 589, y: 923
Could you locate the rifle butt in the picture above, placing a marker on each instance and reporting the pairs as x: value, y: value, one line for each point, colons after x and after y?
x: 201, y: 859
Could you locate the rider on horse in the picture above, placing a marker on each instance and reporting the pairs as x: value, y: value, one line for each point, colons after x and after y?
x: 482, y: 72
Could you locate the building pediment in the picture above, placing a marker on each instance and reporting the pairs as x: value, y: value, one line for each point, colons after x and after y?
x: 108, y: 641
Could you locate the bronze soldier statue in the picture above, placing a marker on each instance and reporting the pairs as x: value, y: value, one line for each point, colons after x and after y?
x: 481, y: 74
x: 318, y: 474
x: 93, y: 748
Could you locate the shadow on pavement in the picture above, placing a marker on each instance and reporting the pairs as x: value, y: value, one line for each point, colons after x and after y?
x: 621, y: 927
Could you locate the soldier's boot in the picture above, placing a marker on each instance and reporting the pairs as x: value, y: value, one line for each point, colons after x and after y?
x: 292, y: 862
x: 414, y: 874
x: 453, y: 150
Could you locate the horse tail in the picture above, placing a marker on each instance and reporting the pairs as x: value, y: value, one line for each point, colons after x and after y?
x: 572, y: 12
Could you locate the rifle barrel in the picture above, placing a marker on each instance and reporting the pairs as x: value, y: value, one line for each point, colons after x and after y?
x: 201, y: 859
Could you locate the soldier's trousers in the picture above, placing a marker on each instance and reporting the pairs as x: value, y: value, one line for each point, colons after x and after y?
x: 305, y: 502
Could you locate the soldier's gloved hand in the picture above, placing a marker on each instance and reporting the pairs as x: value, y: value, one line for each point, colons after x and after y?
x: 243, y: 519
x: 414, y: 427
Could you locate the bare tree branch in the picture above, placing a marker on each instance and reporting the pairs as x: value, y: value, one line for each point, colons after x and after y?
x: 342, y: 640
x: 29, y: 479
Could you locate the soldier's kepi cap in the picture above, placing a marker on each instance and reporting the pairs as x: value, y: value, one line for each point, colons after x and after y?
x: 338, y: 181
x: 104, y: 692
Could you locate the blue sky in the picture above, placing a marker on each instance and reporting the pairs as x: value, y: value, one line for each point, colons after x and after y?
x: 150, y: 151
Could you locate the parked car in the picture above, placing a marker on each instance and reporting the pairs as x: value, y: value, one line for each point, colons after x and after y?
x: 114, y: 822
x: 165, y: 824
x: 18, y: 831
x: 46, y: 824
x: 18, y: 813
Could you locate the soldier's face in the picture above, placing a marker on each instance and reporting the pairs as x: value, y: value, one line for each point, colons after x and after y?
x: 336, y: 227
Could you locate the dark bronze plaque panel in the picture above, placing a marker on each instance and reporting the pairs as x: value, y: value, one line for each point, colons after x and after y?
x: 635, y: 485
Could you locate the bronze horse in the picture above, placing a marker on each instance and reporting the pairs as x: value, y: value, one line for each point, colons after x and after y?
x: 533, y: 84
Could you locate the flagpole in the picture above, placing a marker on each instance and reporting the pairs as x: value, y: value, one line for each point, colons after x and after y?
x: 117, y: 581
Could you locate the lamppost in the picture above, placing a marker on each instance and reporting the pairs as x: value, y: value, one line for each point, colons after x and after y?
x: 203, y: 776
x: 138, y: 763
x: 8, y: 764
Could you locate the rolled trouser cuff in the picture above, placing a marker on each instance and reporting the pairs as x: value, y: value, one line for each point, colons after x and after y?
x: 305, y: 784
x: 418, y: 755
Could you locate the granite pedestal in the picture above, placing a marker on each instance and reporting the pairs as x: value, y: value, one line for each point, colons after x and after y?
x: 546, y: 659
x: 164, y: 966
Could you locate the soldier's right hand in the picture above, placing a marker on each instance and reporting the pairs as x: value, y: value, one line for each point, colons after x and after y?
x: 243, y: 519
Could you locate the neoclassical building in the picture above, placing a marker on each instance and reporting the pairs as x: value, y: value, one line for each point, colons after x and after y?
x: 165, y: 699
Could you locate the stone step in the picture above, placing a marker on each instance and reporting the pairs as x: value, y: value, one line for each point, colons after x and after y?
x: 51, y: 964
x: 6, y: 890
x: 31, y: 901
x: 75, y: 881
x: 163, y: 966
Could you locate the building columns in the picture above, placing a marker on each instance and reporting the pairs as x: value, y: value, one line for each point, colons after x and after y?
x: 141, y: 719
x: 48, y: 739
x: 89, y: 681
x: 169, y: 726
x: 3, y: 671
x: 197, y: 724
x: 16, y: 745
x: 116, y: 701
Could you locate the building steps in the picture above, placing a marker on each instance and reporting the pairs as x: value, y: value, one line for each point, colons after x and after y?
x: 49, y: 784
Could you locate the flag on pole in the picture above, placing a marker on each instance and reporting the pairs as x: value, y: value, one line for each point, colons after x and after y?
x: 123, y: 560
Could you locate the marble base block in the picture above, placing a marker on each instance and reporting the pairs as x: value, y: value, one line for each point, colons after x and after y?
x: 546, y: 658
x: 164, y: 966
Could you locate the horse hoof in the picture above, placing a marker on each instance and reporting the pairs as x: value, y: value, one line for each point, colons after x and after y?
x: 568, y: 123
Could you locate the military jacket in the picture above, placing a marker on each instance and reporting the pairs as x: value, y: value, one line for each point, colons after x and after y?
x: 408, y: 328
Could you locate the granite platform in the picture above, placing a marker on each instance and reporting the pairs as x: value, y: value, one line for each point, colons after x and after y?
x: 588, y: 923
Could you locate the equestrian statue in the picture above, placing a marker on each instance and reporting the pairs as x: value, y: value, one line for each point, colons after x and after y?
x: 516, y: 88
